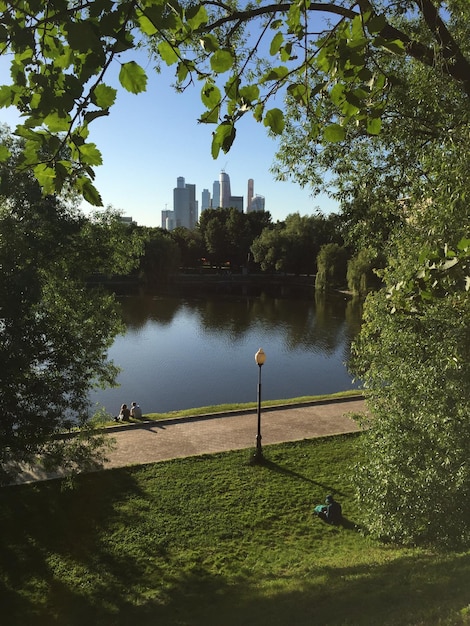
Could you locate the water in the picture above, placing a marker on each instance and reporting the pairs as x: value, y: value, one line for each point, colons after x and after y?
x: 190, y: 351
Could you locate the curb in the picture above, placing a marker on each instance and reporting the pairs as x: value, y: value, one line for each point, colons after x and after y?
x: 208, y: 416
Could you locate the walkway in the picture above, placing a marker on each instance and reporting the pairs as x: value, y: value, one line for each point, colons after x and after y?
x: 149, y: 442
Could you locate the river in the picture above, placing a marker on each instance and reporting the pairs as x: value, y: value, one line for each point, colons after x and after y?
x: 184, y: 351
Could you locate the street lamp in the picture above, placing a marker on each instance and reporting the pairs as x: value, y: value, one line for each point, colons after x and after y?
x: 260, y: 358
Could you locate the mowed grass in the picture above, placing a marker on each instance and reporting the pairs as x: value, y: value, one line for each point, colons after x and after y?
x: 214, y: 540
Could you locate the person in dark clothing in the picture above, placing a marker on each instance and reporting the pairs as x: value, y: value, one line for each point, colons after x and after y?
x: 124, y: 414
x: 329, y: 512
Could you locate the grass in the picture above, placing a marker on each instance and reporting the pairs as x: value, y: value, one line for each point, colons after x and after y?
x: 214, y: 540
x: 103, y: 419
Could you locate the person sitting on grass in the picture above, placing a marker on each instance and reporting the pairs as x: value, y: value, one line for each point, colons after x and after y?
x: 329, y: 512
x: 136, y: 411
x: 124, y: 414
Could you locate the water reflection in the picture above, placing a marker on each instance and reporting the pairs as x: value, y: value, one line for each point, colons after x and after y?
x: 194, y: 350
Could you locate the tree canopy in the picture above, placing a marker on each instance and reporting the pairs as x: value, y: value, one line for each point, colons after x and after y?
x: 241, y: 54
x: 54, y: 328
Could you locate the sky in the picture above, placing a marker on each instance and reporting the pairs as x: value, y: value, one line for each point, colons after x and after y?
x: 150, y: 139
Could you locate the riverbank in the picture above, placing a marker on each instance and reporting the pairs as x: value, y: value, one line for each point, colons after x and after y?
x: 239, y: 407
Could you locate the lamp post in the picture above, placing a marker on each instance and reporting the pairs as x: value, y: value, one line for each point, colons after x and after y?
x: 260, y: 358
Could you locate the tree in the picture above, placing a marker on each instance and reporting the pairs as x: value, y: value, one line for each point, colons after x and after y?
x: 161, y: 256
x: 414, y: 363
x: 316, y: 52
x: 403, y: 195
x: 55, y: 330
x: 190, y: 245
x: 229, y: 233
x: 362, y: 274
x: 292, y: 246
x: 331, y: 263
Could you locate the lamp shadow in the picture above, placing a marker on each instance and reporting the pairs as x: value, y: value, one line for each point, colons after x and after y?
x: 275, y: 467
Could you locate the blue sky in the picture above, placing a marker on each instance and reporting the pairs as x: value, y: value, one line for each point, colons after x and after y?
x: 150, y: 139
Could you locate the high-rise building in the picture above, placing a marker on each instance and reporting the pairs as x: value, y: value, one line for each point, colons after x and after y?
x: 225, y: 193
x: 257, y: 203
x: 168, y: 220
x: 185, y: 205
x: 205, y: 199
x: 250, y: 194
x: 215, y: 194
x: 236, y: 202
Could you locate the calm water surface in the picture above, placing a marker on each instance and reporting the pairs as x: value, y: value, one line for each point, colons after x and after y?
x: 182, y: 352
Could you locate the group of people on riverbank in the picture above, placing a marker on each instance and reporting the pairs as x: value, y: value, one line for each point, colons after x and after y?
x: 126, y: 413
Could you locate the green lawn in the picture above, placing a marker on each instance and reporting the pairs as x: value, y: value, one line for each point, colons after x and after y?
x: 215, y: 541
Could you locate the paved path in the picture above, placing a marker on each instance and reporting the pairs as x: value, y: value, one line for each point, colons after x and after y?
x: 162, y: 440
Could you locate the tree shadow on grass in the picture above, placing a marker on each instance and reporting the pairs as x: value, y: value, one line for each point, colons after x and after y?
x: 78, y: 578
x: 408, y: 591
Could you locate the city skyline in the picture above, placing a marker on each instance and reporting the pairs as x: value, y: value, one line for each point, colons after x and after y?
x: 186, y: 209
x: 149, y: 139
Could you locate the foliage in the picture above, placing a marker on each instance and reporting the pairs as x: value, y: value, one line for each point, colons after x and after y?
x: 404, y: 195
x: 362, y: 273
x: 190, y: 244
x: 228, y: 234
x: 413, y: 355
x: 54, y: 330
x: 191, y: 540
x: 242, y: 55
x: 161, y: 256
x: 292, y: 246
x: 331, y: 267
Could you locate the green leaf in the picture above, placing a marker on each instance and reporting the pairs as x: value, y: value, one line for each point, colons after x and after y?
x: 209, y: 43
x: 91, y: 194
x: 196, y: 16
x: 210, y: 117
x: 4, y: 153
x: 299, y: 92
x: 93, y: 115
x: 334, y: 133
x: 57, y: 123
x: 222, y: 137
x: 45, y: 176
x: 275, y: 73
x: 132, y: 77
x: 274, y: 119
x: 232, y: 86
x: 249, y: 93
x: 167, y: 52
x: 337, y: 94
x: 182, y: 71
x: 376, y: 23
x: 104, y: 96
x: 6, y: 96
x: 82, y: 36
x: 374, y: 125
x: 276, y: 43
x: 222, y: 60
x: 146, y: 25
x: 396, y: 46
x: 210, y: 95
x: 463, y: 244
x: 90, y: 155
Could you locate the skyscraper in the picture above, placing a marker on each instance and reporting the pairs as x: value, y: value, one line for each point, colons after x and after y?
x: 257, y: 203
x: 205, y: 199
x: 250, y: 194
x: 224, y: 190
x: 215, y: 194
x: 185, y: 205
